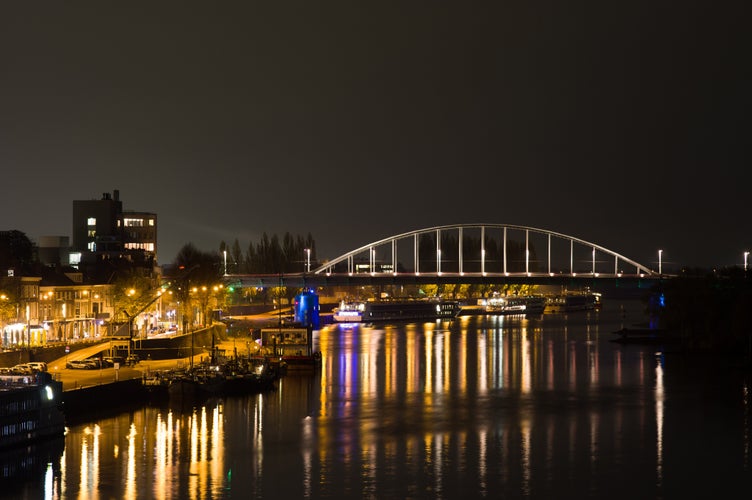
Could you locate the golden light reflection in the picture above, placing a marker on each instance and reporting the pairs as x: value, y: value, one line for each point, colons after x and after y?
x: 462, y: 364
x: 325, y: 338
x: 421, y: 369
x: 482, y: 366
x: 63, y: 473
x: 412, y: 378
x: 525, y: 382
x: 131, y: 486
x: 659, y: 399
x: 390, y: 358
x: 446, y: 365
x: 369, y: 363
x: 89, y: 474
x: 161, y: 457
x: 83, y: 484
x: 428, y: 385
x: 143, y: 447
x: 215, y: 457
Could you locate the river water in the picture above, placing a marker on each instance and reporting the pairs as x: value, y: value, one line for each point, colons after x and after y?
x: 476, y: 407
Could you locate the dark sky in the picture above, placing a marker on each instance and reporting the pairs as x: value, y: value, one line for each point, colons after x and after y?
x: 621, y: 123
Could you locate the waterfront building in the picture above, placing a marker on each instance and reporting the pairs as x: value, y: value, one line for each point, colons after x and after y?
x: 65, y: 292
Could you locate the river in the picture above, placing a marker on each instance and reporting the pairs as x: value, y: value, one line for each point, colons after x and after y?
x: 476, y: 407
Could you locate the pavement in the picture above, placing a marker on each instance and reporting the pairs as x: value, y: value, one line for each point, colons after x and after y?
x: 75, y: 378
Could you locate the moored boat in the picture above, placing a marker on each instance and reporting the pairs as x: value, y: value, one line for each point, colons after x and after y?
x: 506, y: 305
x: 574, y: 301
x: 349, y: 312
x: 410, y: 309
x: 30, y: 409
x: 235, y: 376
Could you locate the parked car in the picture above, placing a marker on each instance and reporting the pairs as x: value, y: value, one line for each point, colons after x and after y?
x: 81, y: 364
x: 111, y: 360
x: 132, y: 359
x: 39, y: 366
x: 96, y: 362
x: 22, y: 369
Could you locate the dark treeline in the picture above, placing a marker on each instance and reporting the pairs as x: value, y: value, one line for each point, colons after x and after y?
x: 710, y: 310
x: 271, y: 255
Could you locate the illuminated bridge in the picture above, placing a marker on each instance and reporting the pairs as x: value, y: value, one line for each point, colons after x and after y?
x: 468, y: 253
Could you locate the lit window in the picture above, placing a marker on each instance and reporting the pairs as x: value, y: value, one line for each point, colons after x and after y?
x: 91, y: 221
x: 133, y: 222
x: 151, y: 222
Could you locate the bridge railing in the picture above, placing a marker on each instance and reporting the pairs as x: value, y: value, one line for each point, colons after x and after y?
x: 485, y: 249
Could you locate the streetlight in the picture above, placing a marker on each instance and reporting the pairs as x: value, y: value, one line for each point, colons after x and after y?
x: 660, y: 253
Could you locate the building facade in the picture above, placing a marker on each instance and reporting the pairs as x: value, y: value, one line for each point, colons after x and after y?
x: 103, y: 230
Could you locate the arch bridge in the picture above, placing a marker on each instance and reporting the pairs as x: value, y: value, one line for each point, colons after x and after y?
x: 469, y: 253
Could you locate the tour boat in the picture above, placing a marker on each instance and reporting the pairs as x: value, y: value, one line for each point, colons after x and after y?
x: 349, y: 312
x: 503, y: 305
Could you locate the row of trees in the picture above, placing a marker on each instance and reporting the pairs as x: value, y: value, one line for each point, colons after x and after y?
x: 709, y: 310
x: 199, y: 270
x: 271, y: 255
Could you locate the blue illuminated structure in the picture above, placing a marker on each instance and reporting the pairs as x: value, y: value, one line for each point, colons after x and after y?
x: 306, y: 309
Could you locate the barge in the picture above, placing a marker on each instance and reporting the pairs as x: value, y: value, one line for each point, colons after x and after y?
x: 568, y: 302
x: 30, y: 409
x: 408, y: 310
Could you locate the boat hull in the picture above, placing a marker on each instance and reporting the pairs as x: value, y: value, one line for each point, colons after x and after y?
x: 30, y: 409
x: 410, y: 310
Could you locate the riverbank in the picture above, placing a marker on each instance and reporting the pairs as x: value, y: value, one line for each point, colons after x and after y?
x: 90, y: 394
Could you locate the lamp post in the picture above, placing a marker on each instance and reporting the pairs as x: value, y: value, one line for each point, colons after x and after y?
x: 660, y: 262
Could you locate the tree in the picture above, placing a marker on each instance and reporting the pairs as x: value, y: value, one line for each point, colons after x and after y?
x: 237, y: 257
x: 9, y: 298
x: 205, y: 266
x: 16, y: 252
x: 197, y: 271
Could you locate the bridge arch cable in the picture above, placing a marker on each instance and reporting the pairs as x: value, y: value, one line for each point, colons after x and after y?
x: 392, y: 241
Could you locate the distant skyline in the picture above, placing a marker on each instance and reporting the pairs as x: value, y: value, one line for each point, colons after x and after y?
x: 625, y: 125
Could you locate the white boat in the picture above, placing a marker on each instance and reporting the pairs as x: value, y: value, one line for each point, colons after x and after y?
x: 349, y: 312
x: 526, y: 304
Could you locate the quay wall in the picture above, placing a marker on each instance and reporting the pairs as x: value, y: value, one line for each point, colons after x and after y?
x: 46, y: 354
x: 83, y: 403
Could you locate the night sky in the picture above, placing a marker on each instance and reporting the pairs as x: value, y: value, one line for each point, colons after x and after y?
x: 621, y: 123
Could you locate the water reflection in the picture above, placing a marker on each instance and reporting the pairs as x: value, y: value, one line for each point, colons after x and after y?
x: 507, y: 406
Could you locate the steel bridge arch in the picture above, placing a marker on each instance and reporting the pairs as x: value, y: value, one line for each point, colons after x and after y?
x: 348, y: 257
